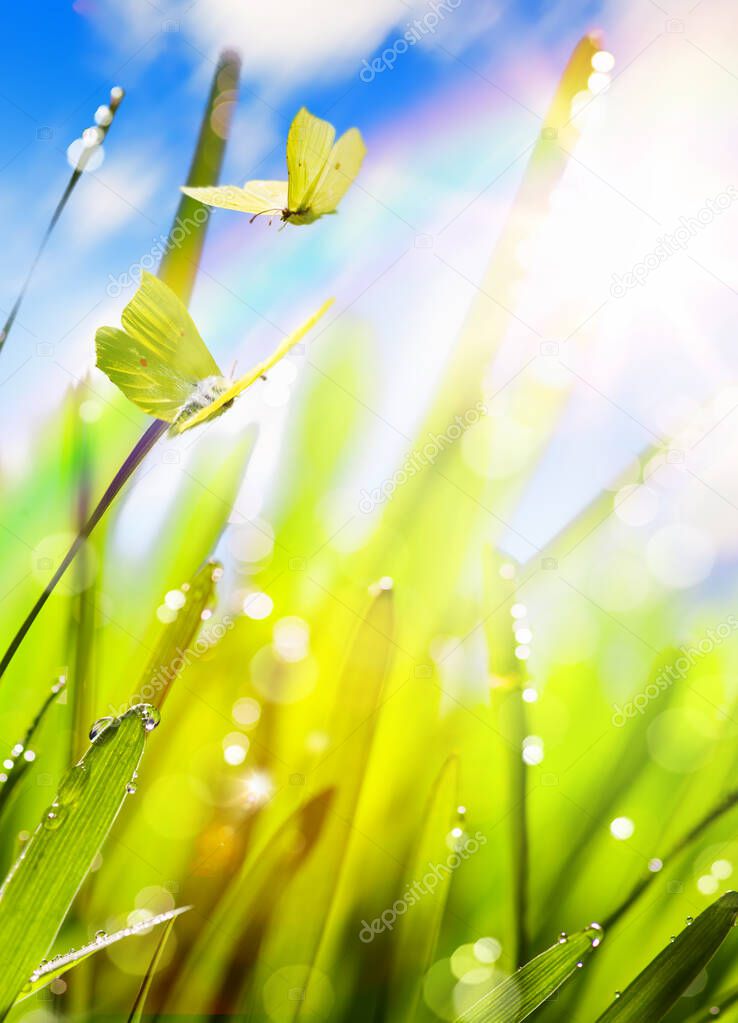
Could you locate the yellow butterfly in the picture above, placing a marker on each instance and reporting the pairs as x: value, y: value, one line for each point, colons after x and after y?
x: 319, y: 174
x: 160, y: 362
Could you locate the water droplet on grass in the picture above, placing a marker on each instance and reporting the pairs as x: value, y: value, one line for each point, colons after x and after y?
x: 149, y: 716
x: 99, y: 727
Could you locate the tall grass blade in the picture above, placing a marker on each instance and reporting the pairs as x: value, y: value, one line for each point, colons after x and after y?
x: 61, y: 964
x: 37, y: 893
x: 136, y: 1014
x: 23, y: 755
x: 684, y: 842
x: 168, y: 658
x: 417, y: 932
x: 533, y: 984
x: 178, y: 270
x: 116, y: 97
x: 657, y: 988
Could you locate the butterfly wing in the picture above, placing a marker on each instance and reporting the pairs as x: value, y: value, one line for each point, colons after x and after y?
x: 309, y: 144
x: 342, y: 166
x: 254, y: 197
x: 246, y: 381
x: 159, y: 358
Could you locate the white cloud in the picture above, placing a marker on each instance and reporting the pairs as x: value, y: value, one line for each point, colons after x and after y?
x: 282, y: 42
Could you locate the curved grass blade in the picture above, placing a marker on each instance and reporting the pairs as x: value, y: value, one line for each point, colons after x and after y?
x: 713, y: 814
x: 311, y: 894
x: 116, y: 98
x: 657, y: 988
x: 160, y: 672
x: 37, y: 893
x: 417, y: 932
x: 136, y: 1014
x: 61, y: 964
x: 22, y: 756
x: 178, y: 269
x: 228, y: 945
x: 521, y: 994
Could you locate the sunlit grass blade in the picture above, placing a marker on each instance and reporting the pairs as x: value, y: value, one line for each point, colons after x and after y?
x: 167, y: 662
x: 228, y: 944
x: 684, y: 842
x: 23, y: 755
x: 417, y: 931
x: 533, y: 984
x: 136, y: 1014
x: 40, y: 887
x: 61, y: 964
x: 311, y: 895
x: 657, y: 988
x: 178, y: 269
x: 116, y: 97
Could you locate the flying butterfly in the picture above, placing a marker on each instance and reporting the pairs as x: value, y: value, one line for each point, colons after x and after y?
x: 319, y: 174
x: 160, y: 362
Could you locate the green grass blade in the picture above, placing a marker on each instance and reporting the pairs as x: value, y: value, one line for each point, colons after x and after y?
x: 136, y: 1014
x: 161, y: 671
x: 38, y: 891
x: 657, y: 988
x: 61, y: 964
x: 417, y: 932
x: 22, y: 755
x: 715, y: 812
x: 181, y: 260
x: 521, y: 994
x: 178, y: 269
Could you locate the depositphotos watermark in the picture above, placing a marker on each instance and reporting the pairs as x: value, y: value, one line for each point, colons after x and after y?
x: 427, y: 885
x: 421, y: 458
x: 676, y: 671
x: 181, y: 230
x: 165, y: 674
x: 415, y: 31
x: 669, y: 244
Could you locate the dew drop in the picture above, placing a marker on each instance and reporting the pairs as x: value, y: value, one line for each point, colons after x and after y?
x: 563, y: 938
x: 149, y: 716
x: 53, y: 819
x: 100, y: 937
x: 690, y: 920
x: 580, y: 964
x: 130, y: 788
x: 597, y: 934
x: 672, y: 937
x: 99, y: 727
x: 617, y: 994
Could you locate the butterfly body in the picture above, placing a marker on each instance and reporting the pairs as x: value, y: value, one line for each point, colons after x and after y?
x: 319, y: 173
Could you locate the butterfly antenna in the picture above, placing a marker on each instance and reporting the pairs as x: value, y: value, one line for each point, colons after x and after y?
x: 97, y: 132
x: 261, y: 213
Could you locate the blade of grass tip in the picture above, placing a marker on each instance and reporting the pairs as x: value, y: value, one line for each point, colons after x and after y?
x: 42, y: 976
x: 715, y: 813
x: 136, y: 1014
x: 417, y: 933
x: 161, y: 670
x: 104, y: 119
x: 178, y: 270
x: 39, y: 889
x: 533, y: 984
x: 22, y: 755
x: 655, y: 990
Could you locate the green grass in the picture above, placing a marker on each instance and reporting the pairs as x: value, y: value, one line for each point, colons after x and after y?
x: 387, y: 748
